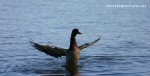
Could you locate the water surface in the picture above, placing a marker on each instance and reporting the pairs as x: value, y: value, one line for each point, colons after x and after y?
x: 123, y: 50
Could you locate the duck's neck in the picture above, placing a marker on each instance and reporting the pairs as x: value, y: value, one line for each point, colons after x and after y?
x: 72, y: 43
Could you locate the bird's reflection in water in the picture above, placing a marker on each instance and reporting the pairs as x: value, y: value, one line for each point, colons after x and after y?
x: 72, y: 70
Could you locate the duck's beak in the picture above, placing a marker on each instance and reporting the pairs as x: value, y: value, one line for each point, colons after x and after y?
x: 79, y: 33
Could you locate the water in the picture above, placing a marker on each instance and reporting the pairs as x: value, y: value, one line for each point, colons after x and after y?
x: 123, y: 50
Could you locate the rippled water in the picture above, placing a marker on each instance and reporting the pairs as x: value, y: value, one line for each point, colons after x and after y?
x: 124, y: 49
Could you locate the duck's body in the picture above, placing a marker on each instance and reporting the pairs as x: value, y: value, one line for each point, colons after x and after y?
x: 72, y: 57
x: 72, y: 54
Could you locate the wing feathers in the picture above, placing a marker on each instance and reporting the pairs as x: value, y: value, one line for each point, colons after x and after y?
x: 88, y: 44
x: 50, y: 50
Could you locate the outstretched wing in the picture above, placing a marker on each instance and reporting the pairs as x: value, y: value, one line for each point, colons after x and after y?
x: 50, y: 50
x: 88, y: 44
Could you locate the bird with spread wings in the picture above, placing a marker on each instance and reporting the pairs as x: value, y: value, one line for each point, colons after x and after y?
x: 72, y: 54
x: 57, y: 51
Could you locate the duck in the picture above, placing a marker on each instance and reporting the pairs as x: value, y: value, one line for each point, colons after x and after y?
x: 72, y: 54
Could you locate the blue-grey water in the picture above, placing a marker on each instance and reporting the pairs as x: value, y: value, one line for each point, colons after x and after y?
x: 124, y: 48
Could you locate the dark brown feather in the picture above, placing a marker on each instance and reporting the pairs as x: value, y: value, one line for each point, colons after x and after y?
x: 50, y: 50
x: 88, y: 44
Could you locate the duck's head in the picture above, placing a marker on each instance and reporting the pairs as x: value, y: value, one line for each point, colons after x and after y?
x: 75, y: 32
